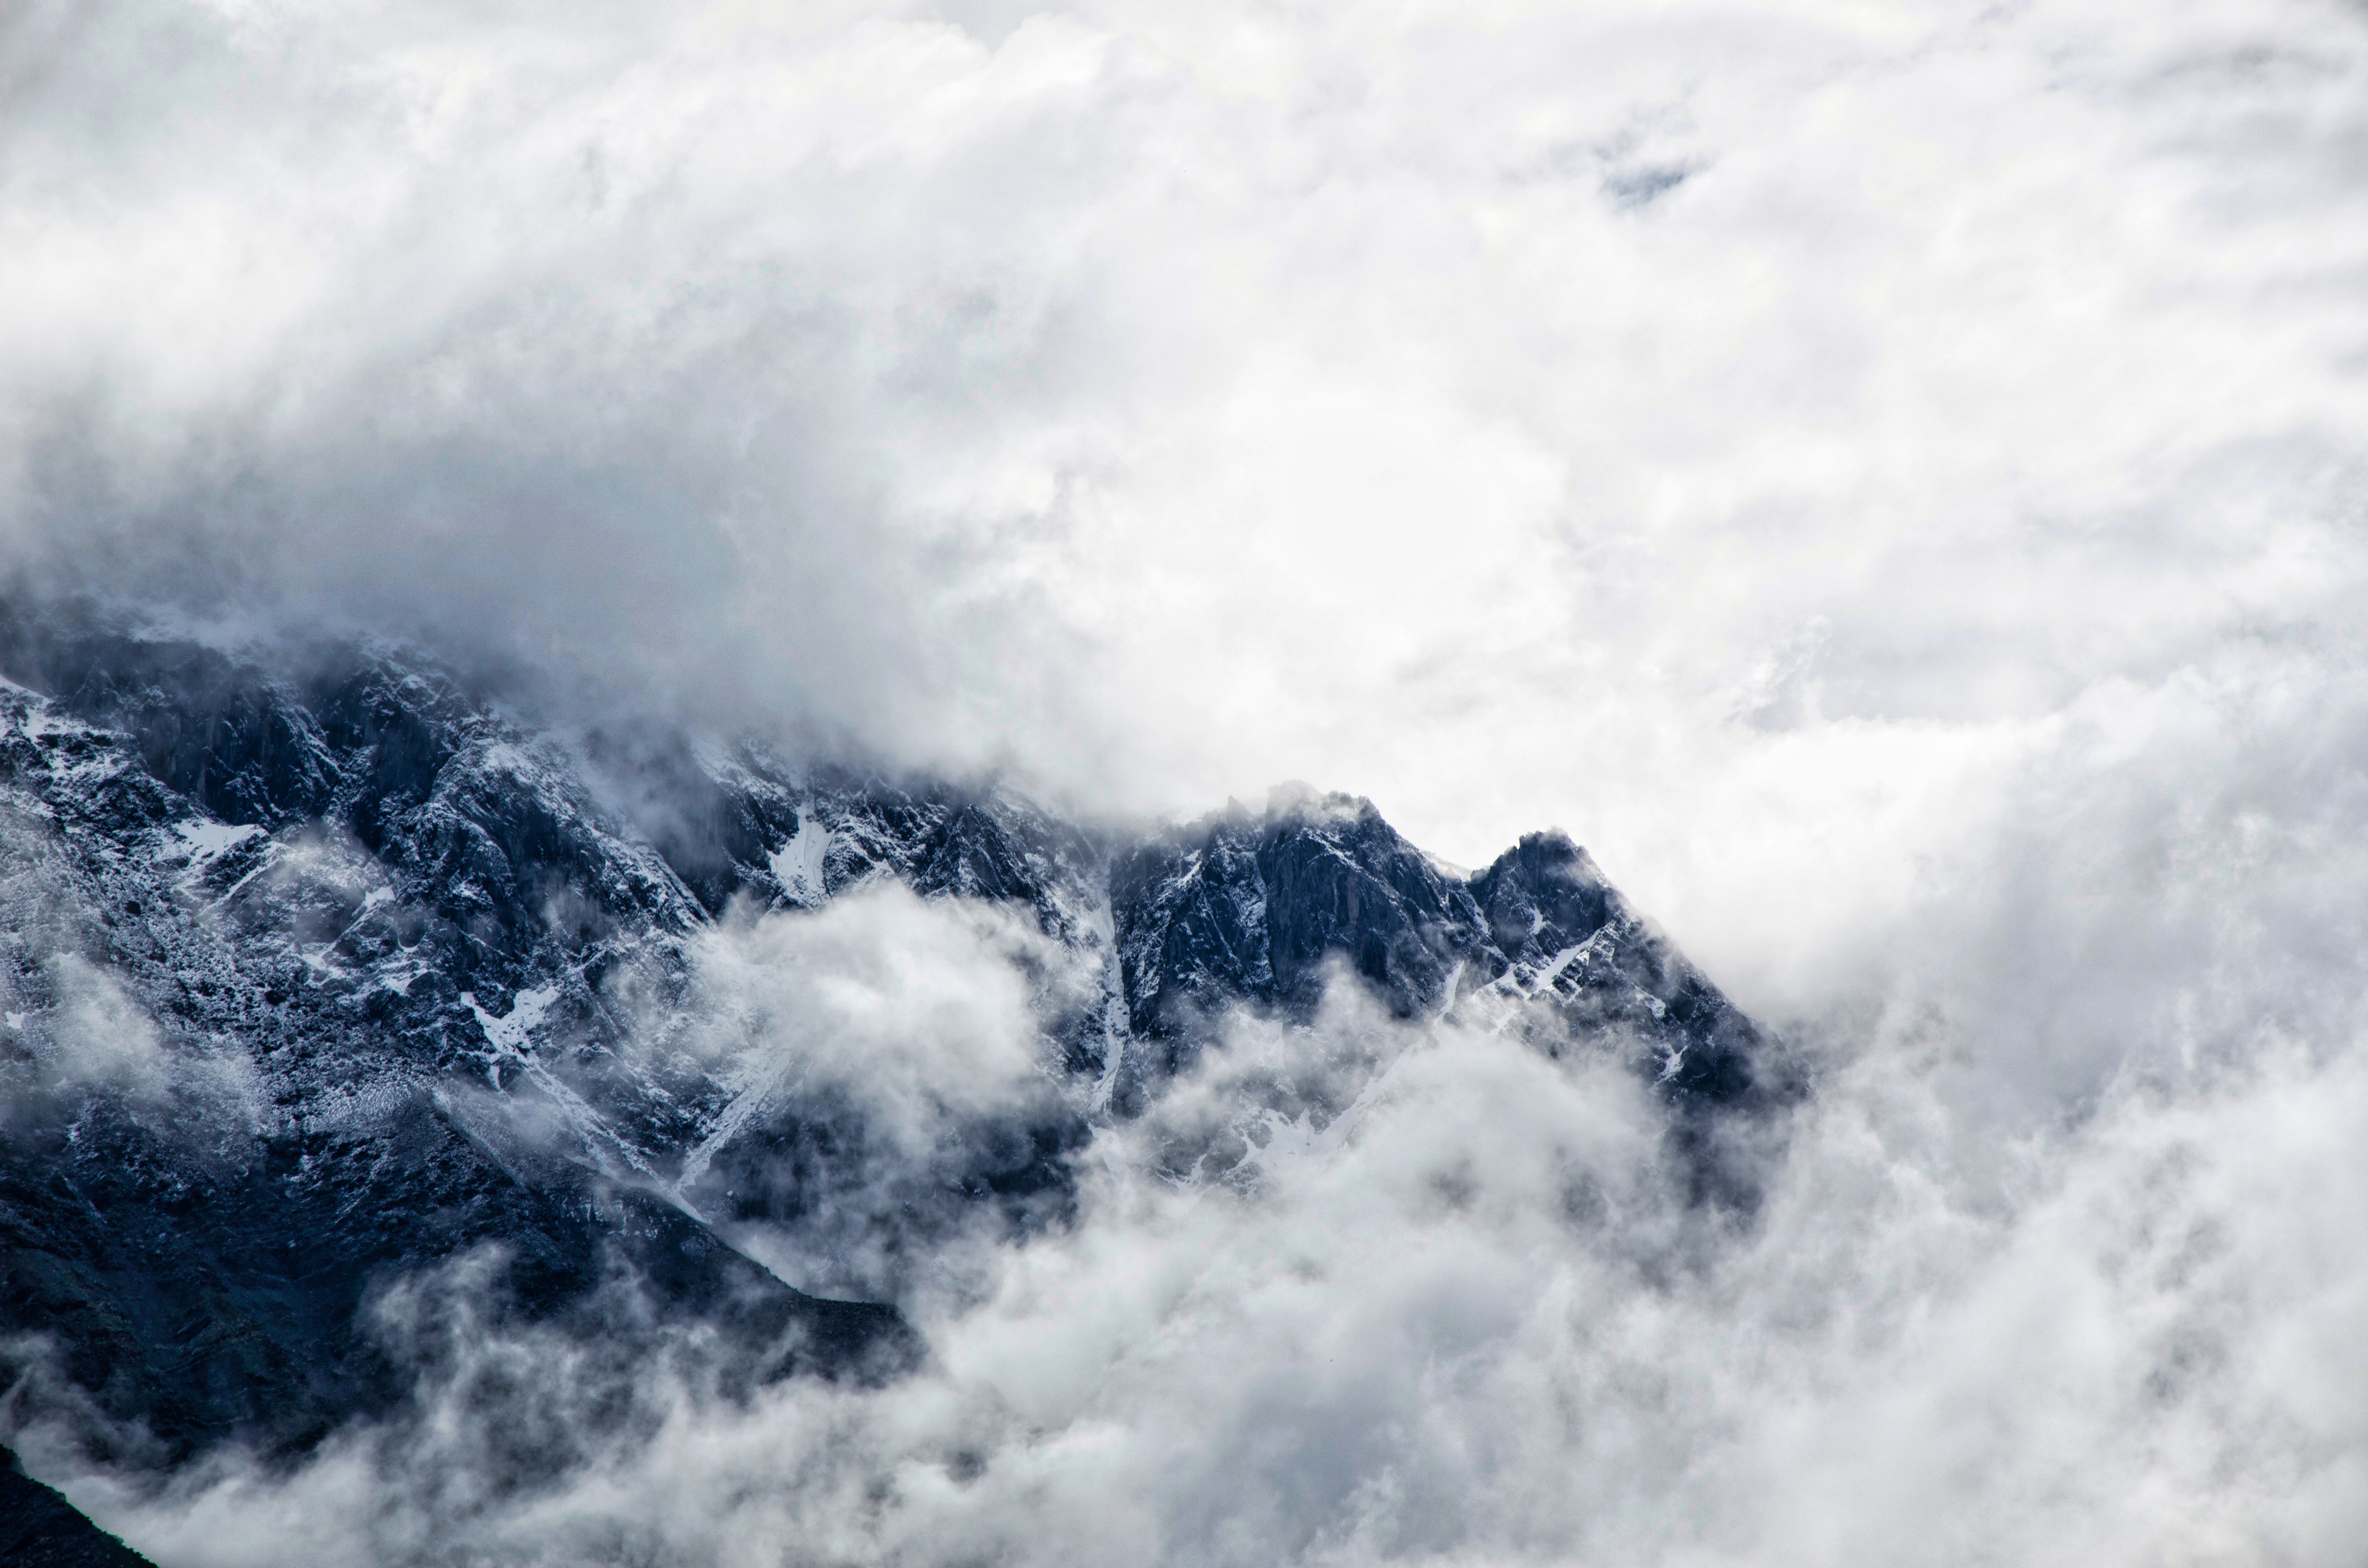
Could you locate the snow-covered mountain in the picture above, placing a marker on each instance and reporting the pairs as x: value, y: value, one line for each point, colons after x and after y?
x: 324, y: 974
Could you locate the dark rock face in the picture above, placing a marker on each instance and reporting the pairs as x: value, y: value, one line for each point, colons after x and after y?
x: 207, y: 1254
x: 1253, y: 908
x: 41, y: 1529
x: 1542, y: 897
x: 316, y: 983
x: 1558, y: 931
x: 1256, y: 908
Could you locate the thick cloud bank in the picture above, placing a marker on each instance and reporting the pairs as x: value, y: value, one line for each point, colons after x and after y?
x: 1462, y: 1319
x: 1888, y: 477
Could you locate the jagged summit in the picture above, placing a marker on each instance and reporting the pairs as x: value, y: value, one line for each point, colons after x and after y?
x: 317, y: 980
x: 1238, y: 906
x: 1256, y: 907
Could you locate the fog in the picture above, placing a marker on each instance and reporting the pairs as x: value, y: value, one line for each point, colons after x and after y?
x: 1887, y: 478
x: 1466, y: 1319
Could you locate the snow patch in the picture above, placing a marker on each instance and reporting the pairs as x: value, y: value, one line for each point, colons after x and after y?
x: 41, y: 722
x: 798, y: 863
x: 508, y: 1033
x: 603, y: 1147
x: 210, y: 840
x: 373, y: 1103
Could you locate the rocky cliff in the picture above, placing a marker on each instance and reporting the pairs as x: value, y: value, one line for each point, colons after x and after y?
x: 322, y: 976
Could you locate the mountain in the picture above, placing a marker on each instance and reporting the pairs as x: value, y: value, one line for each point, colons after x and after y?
x: 41, y: 1529
x: 326, y: 977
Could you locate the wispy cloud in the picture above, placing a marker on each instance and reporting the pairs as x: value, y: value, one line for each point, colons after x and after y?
x: 1888, y: 477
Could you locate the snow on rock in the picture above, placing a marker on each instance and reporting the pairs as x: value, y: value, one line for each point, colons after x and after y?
x: 210, y: 840
x: 411, y: 851
x: 508, y: 1033
x: 798, y: 863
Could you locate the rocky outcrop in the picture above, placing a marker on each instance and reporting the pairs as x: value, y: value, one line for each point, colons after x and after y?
x: 312, y: 975
x: 1261, y: 907
x: 38, y: 1529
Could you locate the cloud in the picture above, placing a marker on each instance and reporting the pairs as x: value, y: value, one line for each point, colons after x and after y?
x: 1168, y: 406
x: 916, y: 1011
x: 1463, y: 1320
x: 1914, y: 549
x: 882, y: 1057
x: 77, y: 1041
x: 97, y: 1035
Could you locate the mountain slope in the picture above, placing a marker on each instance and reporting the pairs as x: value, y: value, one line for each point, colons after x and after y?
x: 324, y: 979
x: 41, y: 1529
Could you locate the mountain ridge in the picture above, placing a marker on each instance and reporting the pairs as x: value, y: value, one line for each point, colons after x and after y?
x: 316, y: 985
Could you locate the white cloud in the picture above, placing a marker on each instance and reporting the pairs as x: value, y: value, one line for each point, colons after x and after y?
x: 97, y: 1036
x: 918, y: 1013
x: 1168, y: 405
x: 1888, y: 478
x: 1463, y: 1322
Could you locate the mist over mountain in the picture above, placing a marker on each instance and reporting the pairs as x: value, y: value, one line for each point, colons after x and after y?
x: 651, y: 908
x: 355, y: 1019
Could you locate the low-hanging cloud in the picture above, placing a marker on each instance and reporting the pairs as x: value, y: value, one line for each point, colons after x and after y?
x: 917, y: 1011
x: 97, y: 1038
x: 1888, y: 478
x: 1467, y: 1318
x: 876, y: 1052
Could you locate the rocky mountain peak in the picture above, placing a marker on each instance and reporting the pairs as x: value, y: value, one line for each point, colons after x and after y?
x: 388, y: 958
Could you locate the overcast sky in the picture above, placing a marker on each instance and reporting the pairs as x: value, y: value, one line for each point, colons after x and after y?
x: 1889, y: 477
x: 1742, y: 435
